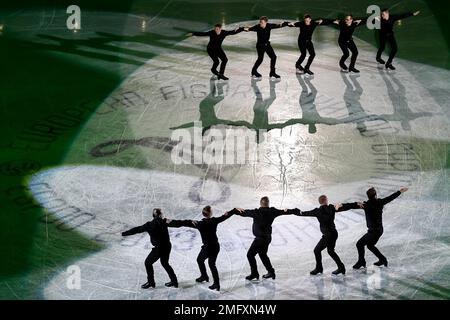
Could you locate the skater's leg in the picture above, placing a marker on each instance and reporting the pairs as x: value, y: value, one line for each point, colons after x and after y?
x: 345, y: 54
x: 352, y: 47
x: 264, y: 247
x: 321, y: 245
x: 394, y: 49
x: 260, y: 49
x: 251, y: 254
x: 302, y: 48
x: 360, y: 244
x: 165, y: 254
x: 222, y: 56
x: 212, y: 257
x: 372, y: 241
x: 149, y: 261
x: 213, y: 55
x: 331, y: 244
x: 202, y: 256
x: 273, y: 58
x: 376, y: 252
x: 312, y: 54
x: 381, y: 48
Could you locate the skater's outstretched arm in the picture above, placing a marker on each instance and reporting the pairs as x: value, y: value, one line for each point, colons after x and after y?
x: 405, y: 15
x: 244, y: 213
x: 135, y: 230
x: 224, y: 217
x: 324, y: 22
x: 181, y: 223
x: 339, y: 207
x: 199, y: 34
x: 393, y: 196
x: 285, y: 212
x: 254, y: 28
x: 278, y: 25
x: 232, y: 32
x: 360, y: 22
x: 310, y: 213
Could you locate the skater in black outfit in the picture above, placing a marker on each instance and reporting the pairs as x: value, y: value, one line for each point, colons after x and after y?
x: 214, y: 47
x: 373, y: 208
x: 346, y: 43
x: 387, y: 22
x: 159, y: 237
x: 263, y: 218
x: 211, y: 247
x: 325, y: 214
x: 307, y: 27
x: 263, y: 45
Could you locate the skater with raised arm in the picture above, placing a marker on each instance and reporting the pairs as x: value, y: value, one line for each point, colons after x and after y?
x: 386, y: 35
x: 263, y: 218
x: 373, y: 209
x: 346, y: 43
x: 159, y: 237
x: 326, y: 214
x: 211, y: 247
x: 305, y: 44
x: 214, y: 47
x: 263, y: 45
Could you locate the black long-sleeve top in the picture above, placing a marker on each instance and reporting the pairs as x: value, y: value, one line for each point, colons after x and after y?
x: 373, y: 209
x: 387, y: 25
x: 207, y: 227
x: 346, y: 32
x: 306, y: 31
x: 263, y: 34
x: 215, y: 40
x: 263, y: 218
x: 325, y: 215
x: 157, y: 230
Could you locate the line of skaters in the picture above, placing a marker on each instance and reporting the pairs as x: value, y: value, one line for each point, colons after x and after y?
x: 263, y: 217
x: 307, y: 26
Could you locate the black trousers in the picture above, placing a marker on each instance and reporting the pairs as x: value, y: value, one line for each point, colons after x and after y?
x: 305, y: 45
x: 218, y: 56
x: 162, y: 253
x: 209, y: 252
x: 390, y: 39
x: 370, y: 239
x: 262, y: 48
x: 328, y: 241
x: 347, y: 47
x: 259, y: 246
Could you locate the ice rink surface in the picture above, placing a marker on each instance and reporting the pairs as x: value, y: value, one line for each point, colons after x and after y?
x: 334, y: 133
